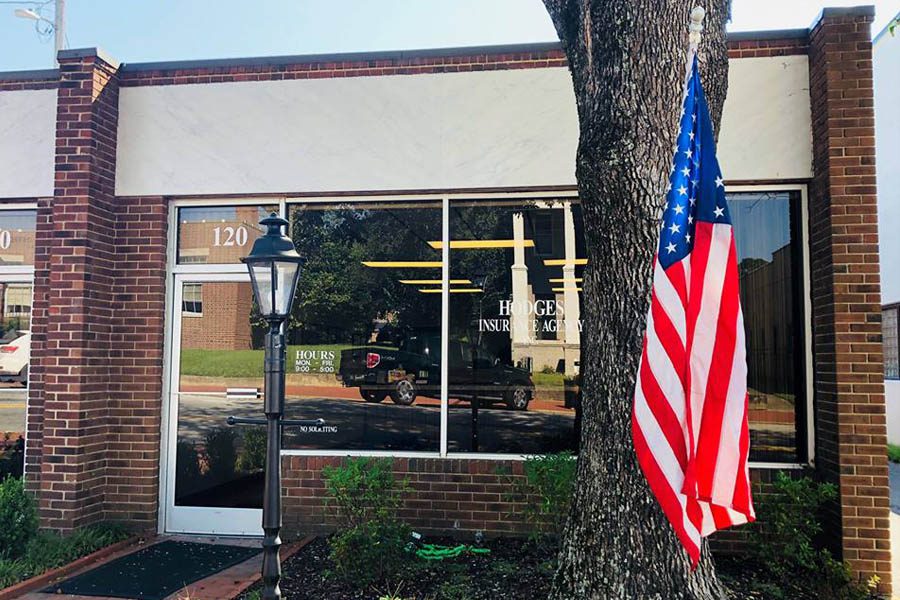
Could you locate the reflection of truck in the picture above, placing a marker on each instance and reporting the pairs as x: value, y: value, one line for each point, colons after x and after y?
x: 14, y: 351
x: 414, y: 369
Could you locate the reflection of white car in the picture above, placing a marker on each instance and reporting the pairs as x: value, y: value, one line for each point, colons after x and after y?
x: 14, y: 358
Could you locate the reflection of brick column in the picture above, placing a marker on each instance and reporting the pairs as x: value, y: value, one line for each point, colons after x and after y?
x: 850, y: 420
x: 519, y: 323
x: 570, y: 288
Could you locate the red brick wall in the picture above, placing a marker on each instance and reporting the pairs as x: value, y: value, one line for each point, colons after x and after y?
x: 136, y: 362
x: 73, y: 293
x: 849, y: 394
x: 447, y: 495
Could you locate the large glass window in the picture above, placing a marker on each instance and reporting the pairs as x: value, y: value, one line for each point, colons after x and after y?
x: 890, y: 324
x: 767, y: 236
x: 364, y: 340
x: 515, y: 330
x: 218, y: 234
x: 365, y: 349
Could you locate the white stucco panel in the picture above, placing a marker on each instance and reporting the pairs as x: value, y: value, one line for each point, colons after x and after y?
x: 27, y: 143
x: 490, y: 129
x: 480, y: 129
x: 767, y: 121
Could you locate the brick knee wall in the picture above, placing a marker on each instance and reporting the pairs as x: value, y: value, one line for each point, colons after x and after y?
x: 448, y: 496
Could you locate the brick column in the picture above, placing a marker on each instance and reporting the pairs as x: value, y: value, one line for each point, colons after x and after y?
x: 73, y: 303
x: 851, y: 429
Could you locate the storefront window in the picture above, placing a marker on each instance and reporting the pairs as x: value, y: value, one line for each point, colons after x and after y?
x: 15, y: 351
x: 766, y: 234
x: 515, y: 327
x: 364, y: 340
x: 890, y: 324
x: 17, y: 230
x: 218, y: 234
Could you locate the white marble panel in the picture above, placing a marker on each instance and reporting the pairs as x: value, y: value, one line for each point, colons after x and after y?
x: 27, y: 143
x: 766, y: 121
x: 491, y: 129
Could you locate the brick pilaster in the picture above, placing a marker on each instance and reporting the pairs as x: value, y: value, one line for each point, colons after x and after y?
x: 74, y: 308
x: 849, y: 389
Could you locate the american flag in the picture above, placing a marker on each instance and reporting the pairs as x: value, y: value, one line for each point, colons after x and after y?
x: 689, y: 422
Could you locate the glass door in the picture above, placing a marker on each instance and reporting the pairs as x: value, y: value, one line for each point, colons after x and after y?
x: 15, y: 351
x: 215, y: 471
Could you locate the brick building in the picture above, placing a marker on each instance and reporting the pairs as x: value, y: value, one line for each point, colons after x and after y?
x: 144, y: 183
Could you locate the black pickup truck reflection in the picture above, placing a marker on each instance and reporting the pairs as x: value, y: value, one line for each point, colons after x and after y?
x: 414, y: 369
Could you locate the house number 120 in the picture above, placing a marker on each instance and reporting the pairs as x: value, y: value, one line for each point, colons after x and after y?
x: 230, y: 236
x: 5, y: 239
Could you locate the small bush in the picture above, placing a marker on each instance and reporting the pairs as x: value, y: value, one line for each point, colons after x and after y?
x: 370, y: 547
x: 547, y: 492
x: 12, y: 457
x: 46, y: 551
x: 783, y: 543
x: 893, y: 451
x: 221, y: 453
x: 252, y: 456
x: 18, y: 518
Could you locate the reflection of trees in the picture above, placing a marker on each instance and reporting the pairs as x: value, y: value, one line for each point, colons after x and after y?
x: 339, y: 298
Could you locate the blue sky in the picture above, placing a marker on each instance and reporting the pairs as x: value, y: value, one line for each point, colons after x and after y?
x: 152, y: 30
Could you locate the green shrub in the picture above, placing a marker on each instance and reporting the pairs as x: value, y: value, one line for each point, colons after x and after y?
x: 363, y: 489
x: 12, y: 457
x: 252, y: 456
x: 221, y: 453
x: 370, y: 547
x: 370, y: 552
x: 47, y: 551
x: 784, y: 543
x: 18, y: 518
x: 546, y: 490
x: 893, y: 451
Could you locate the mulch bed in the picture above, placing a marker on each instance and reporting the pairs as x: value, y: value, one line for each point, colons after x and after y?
x: 514, y: 569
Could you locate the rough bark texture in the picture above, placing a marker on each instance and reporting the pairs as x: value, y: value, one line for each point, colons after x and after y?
x: 627, y: 59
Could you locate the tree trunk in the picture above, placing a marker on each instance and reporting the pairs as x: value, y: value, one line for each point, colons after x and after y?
x: 627, y: 59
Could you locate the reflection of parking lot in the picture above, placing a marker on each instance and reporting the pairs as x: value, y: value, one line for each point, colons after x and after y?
x: 356, y: 425
x: 12, y: 408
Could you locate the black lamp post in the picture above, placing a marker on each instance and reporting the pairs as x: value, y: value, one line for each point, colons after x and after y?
x: 274, y: 267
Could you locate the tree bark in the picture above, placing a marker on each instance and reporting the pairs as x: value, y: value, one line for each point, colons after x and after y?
x: 627, y: 59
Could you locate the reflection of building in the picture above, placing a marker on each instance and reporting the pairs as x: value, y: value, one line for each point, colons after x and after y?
x: 766, y: 287
x: 216, y: 317
x: 15, y: 305
x: 545, y: 315
x: 16, y: 245
x: 217, y: 235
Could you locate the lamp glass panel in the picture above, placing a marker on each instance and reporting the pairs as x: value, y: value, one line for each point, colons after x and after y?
x: 261, y: 273
x: 285, y: 274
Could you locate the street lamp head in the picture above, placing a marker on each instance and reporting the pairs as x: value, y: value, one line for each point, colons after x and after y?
x: 274, y: 267
x: 27, y: 13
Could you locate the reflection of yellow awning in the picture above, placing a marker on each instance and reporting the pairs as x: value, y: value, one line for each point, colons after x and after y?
x: 452, y: 291
x: 483, y: 244
x: 567, y: 289
x: 403, y: 264
x: 562, y: 262
x: 566, y: 280
x: 434, y: 281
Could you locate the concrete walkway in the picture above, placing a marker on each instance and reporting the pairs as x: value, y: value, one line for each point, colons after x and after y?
x: 895, y: 527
